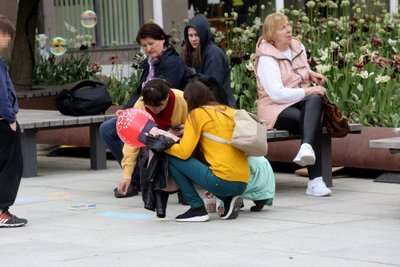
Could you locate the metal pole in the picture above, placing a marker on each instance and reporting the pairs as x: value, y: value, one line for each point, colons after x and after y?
x: 279, y: 5
x: 394, y: 6
x: 157, y: 11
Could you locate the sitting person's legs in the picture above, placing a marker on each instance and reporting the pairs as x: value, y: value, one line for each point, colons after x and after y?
x: 310, y: 121
x: 304, y: 118
x: 109, y: 134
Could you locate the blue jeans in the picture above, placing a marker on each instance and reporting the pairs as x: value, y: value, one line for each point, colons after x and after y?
x: 108, y: 132
x: 187, y: 172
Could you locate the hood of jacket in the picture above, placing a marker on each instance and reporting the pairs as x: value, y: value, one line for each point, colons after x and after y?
x: 200, y: 23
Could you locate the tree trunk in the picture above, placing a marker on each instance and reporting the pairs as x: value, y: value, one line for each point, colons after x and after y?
x: 23, y: 53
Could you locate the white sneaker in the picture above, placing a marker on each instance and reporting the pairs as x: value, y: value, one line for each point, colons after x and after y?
x: 305, y: 156
x: 317, y: 188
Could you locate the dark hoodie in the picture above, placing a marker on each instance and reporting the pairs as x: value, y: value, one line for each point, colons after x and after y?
x: 8, y: 97
x: 213, y: 60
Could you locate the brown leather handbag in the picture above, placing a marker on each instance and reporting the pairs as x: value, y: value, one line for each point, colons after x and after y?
x: 333, y: 120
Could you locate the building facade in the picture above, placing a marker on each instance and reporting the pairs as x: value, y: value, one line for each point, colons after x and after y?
x: 119, y: 20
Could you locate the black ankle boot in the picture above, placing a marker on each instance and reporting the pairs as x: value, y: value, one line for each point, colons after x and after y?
x: 259, y: 205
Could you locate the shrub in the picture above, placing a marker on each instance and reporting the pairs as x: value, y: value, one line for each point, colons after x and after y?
x: 357, y: 51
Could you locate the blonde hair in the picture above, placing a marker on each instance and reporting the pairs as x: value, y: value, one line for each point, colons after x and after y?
x: 272, y: 23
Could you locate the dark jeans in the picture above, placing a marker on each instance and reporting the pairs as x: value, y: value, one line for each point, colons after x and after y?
x: 108, y: 132
x: 304, y: 118
x: 10, y: 164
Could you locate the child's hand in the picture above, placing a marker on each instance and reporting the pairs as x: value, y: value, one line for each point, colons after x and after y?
x: 123, y: 186
x: 221, y: 210
x: 13, y: 126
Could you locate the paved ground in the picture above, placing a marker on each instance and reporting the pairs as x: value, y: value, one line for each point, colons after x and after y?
x: 358, y: 226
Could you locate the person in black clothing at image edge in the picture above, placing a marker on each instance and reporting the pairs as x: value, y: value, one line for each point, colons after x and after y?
x: 10, y: 137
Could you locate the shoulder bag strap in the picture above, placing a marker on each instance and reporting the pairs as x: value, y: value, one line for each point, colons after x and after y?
x: 214, y: 137
x: 217, y: 109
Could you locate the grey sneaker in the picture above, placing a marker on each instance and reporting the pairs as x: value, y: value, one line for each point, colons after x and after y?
x: 232, y: 208
x: 8, y: 220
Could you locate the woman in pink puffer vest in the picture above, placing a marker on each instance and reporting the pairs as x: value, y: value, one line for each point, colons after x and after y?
x: 287, y: 96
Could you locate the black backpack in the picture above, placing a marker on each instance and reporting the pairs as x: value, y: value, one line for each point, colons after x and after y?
x: 87, y: 97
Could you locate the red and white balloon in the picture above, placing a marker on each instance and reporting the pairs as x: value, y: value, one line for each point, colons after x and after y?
x: 130, y: 124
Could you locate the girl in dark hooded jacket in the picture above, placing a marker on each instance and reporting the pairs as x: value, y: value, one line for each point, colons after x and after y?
x: 204, y: 56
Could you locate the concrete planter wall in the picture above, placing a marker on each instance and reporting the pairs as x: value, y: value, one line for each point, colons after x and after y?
x: 351, y: 151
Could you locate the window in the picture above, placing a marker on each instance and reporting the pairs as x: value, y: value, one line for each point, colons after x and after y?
x: 117, y: 22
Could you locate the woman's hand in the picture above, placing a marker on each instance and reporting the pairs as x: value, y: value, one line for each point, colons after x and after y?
x: 315, y: 90
x: 123, y: 186
x: 317, y: 78
x: 13, y: 126
x: 118, y: 112
x: 155, y: 132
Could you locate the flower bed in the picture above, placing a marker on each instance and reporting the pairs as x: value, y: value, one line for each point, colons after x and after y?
x: 356, y: 50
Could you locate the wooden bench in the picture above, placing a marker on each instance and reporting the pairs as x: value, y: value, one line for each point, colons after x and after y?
x: 326, y: 147
x: 31, y: 121
x: 393, y: 144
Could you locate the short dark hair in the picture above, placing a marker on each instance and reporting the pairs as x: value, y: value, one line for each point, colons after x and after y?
x: 155, y: 91
x: 154, y: 31
x: 6, y: 26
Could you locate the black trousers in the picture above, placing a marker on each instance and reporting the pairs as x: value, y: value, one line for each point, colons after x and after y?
x: 10, y: 164
x: 304, y: 118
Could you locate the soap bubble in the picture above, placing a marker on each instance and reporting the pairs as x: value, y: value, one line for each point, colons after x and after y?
x: 58, y: 46
x: 88, y: 19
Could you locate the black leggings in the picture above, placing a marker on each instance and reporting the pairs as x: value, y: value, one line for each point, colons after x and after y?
x: 304, y: 118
